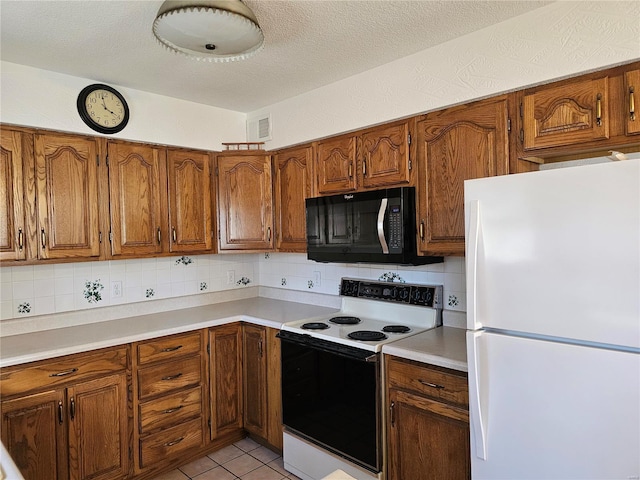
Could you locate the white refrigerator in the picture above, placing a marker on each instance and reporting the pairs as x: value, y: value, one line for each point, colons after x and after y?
x: 553, y: 323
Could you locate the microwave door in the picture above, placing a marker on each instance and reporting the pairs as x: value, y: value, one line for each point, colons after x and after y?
x: 380, y: 226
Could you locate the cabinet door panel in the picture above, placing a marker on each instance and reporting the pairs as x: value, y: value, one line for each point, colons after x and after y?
x: 632, y: 97
x: 429, y: 440
x: 566, y: 115
x: 226, y: 379
x: 384, y: 154
x: 293, y: 185
x: 189, y: 201
x: 67, y: 192
x: 34, y: 433
x: 137, y: 184
x: 335, y: 165
x: 98, y: 433
x: 255, y: 380
x: 454, y: 146
x: 12, y: 219
x: 245, y: 202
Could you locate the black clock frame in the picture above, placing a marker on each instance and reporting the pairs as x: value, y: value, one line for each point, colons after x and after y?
x: 86, y: 118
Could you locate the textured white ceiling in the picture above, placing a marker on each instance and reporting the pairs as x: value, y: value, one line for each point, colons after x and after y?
x: 308, y: 43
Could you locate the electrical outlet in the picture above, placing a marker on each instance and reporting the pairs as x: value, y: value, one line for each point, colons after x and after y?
x: 116, y: 289
x: 231, y: 277
x: 316, y: 279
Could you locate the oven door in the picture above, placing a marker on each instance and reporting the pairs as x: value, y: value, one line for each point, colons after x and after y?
x: 331, y: 397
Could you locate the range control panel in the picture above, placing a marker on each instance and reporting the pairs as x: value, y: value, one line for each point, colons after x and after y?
x: 413, y: 294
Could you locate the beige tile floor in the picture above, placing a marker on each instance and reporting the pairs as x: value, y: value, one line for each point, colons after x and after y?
x: 244, y: 460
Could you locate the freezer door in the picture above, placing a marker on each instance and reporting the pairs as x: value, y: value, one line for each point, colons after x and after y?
x: 556, y: 253
x: 542, y: 410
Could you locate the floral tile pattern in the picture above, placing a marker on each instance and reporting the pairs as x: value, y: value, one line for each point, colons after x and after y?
x: 391, y: 277
x: 149, y: 293
x: 184, y: 260
x: 243, y: 281
x: 24, y: 307
x: 92, y: 291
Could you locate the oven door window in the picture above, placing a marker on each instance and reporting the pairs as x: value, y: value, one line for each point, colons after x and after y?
x: 332, y: 400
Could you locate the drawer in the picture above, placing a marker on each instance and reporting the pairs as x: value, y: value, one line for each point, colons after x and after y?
x: 436, y: 382
x: 170, y: 410
x: 168, y: 376
x: 171, y: 442
x: 62, y: 371
x: 166, y: 348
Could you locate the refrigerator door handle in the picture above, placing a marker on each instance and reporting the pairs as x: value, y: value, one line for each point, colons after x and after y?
x: 473, y: 244
x: 475, y: 402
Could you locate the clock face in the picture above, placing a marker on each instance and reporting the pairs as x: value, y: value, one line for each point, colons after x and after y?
x: 103, y: 108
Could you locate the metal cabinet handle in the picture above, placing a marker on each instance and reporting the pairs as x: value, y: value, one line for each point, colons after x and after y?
x: 364, y: 167
x: 174, y: 409
x: 173, y: 234
x: 432, y: 385
x: 170, y: 444
x: 268, y: 234
x: 20, y: 239
x: 172, y: 377
x: 65, y: 373
x: 171, y: 349
x: 422, y: 230
x: 43, y: 238
x: 72, y: 409
x: 60, y: 413
x: 260, y: 351
x: 632, y: 105
x: 599, y: 110
x: 392, y: 413
x: 351, y: 170
x: 159, y: 236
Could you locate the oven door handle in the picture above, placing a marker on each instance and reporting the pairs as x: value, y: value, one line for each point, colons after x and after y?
x: 380, y: 225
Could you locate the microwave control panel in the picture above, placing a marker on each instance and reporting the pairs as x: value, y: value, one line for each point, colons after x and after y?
x: 394, y: 216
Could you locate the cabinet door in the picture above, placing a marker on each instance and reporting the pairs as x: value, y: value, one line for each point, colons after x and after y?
x: 67, y: 193
x: 137, y: 188
x: 225, y: 379
x: 632, y: 95
x: 293, y: 185
x: 335, y: 165
x: 98, y: 429
x: 566, y: 115
x: 255, y: 380
x: 428, y: 440
x: 453, y: 146
x: 12, y: 212
x: 245, y: 202
x: 384, y: 156
x: 34, y: 433
x: 189, y: 201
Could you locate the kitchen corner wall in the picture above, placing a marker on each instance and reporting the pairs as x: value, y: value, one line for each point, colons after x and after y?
x: 33, y: 290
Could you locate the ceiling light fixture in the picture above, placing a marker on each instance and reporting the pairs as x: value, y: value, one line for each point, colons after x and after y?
x: 214, y: 31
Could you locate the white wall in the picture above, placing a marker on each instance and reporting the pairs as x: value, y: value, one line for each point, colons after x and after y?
x: 558, y: 40
x: 40, y: 98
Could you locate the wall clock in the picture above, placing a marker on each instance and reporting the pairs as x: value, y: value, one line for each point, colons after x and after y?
x: 103, y: 108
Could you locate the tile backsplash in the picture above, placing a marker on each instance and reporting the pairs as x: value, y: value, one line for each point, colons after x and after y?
x: 33, y: 290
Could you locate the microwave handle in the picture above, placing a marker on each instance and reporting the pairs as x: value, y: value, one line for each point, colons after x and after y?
x: 381, y: 212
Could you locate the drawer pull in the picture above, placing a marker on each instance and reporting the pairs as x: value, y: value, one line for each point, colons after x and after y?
x: 632, y: 105
x: 599, y: 110
x: 432, y: 385
x: 171, y: 444
x: 172, y: 349
x: 65, y: 373
x: 172, y: 377
x: 174, y: 409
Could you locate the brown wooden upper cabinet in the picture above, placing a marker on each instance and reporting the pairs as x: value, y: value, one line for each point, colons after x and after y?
x: 245, y: 201
x: 454, y: 145
x: 66, y: 169
x: 567, y: 114
x: 138, y: 199
x: 374, y: 158
x: 293, y: 184
x: 13, y: 231
x: 190, y: 207
x: 632, y: 95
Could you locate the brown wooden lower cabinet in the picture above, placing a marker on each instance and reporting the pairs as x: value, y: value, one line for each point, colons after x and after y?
x: 428, y: 423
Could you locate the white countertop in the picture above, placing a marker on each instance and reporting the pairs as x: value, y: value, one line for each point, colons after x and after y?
x: 30, y: 347
x: 442, y: 346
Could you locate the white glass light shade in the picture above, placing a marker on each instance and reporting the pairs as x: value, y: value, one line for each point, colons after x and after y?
x: 215, y: 31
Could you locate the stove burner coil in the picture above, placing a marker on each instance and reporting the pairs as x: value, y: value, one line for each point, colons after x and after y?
x: 396, y: 329
x: 367, y: 335
x: 345, y: 320
x: 315, y: 326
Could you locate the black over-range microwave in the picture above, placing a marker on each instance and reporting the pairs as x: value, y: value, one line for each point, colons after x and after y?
x: 368, y: 227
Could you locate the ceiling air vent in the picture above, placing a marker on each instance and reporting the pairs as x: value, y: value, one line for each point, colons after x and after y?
x: 259, y: 128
